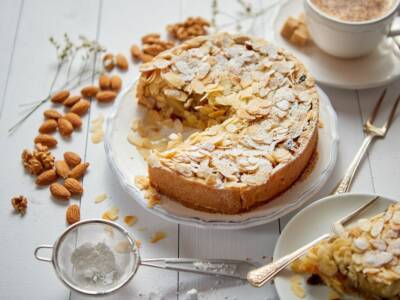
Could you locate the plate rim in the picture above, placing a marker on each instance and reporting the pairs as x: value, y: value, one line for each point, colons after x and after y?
x: 311, y: 206
x: 198, y: 222
x: 361, y: 86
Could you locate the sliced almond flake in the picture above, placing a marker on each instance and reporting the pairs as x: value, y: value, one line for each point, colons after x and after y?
x: 396, y: 217
x: 158, y: 236
x: 361, y: 243
x: 364, y: 224
x: 97, y: 136
x: 138, y: 243
x: 111, y: 214
x: 377, y: 258
x: 100, y: 198
x: 296, y: 286
x: 174, y: 79
x: 130, y: 220
x: 142, y: 182
x: 161, y: 63
x: 379, y: 244
x: 377, y: 228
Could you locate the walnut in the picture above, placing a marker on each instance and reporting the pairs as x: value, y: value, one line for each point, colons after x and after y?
x: 39, y: 160
x: 192, y: 27
x: 20, y: 204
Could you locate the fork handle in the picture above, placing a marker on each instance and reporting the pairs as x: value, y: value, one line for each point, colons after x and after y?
x: 262, y: 275
x: 345, y: 183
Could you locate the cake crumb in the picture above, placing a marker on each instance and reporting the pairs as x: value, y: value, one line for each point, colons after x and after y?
x: 297, y: 288
x: 130, y: 220
x: 158, y: 236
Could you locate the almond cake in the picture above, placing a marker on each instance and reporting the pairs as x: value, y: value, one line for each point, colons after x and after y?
x: 255, y: 110
x: 362, y: 260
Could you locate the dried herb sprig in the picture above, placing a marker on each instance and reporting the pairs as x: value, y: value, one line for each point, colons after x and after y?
x: 247, y: 13
x: 66, y: 53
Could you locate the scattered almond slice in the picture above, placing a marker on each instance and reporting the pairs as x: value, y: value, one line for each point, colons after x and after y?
x: 130, y: 220
x: 142, y: 182
x: 97, y: 129
x: 297, y: 288
x: 138, y: 243
x: 158, y: 236
x: 100, y: 198
x: 112, y: 214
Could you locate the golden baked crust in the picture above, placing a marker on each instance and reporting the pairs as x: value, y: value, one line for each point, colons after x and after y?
x: 362, y: 260
x: 256, y: 110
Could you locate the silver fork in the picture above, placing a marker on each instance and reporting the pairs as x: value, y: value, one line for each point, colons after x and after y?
x: 371, y: 132
x: 262, y: 275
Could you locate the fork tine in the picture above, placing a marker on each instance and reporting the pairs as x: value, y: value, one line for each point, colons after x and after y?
x: 391, y: 115
x: 349, y: 217
x: 377, y: 106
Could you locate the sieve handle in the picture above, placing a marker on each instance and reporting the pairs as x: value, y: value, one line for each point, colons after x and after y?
x: 42, y: 258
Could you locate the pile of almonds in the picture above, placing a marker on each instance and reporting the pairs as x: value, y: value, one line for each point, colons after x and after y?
x: 192, y: 27
x: 152, y: 45
x: 71, y: 169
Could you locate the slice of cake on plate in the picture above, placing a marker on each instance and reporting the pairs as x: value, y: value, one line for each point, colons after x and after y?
x: 362, y: 260
x: 256, y: 111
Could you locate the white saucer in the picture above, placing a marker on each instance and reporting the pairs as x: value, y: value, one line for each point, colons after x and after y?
x: 127, y: 163
x: 311, y: 222
x: 377, y: 69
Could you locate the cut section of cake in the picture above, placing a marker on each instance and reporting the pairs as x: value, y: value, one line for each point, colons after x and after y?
x: 255, y: 110
x: 362, y: 260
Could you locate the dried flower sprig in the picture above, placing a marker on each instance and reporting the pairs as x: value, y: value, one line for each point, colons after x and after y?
x: 247, y: 13
x: 67, y: 52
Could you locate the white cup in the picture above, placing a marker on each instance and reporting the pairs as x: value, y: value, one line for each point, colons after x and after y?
x: 348, y: 39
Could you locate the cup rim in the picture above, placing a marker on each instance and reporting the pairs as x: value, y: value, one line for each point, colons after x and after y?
x: 78, y: 289
x: 388, y: 14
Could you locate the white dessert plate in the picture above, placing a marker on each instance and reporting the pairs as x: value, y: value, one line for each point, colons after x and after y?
x: 376, y: 69
x: 127, y: 163
x: 311, y: 222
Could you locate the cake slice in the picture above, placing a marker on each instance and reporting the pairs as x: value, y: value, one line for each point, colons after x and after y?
x: 363, y: 260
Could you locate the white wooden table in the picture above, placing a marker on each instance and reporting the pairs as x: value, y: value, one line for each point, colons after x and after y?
x: 26, y: 69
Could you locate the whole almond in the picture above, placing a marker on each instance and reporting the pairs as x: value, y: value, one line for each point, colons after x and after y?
x: 46, y: 140
x: 59, y: 191
x: 48, y: 126
x: 108, y: 62
x: 78, y: 171
x: 62, y: 168
x: 46, y: 177
x: 146, y: 57
x: 80, y: 107
x: 73, y: 185
x: 121, y: 62
x: 73, y: 214
x: 60, y: 96
x: 51, y: 114
x: 65, y: 127
x: 71, y: 100
x: 72, y: 159
x: 74, y: 119
x: 116, y: 83
x: 136, y: 52
x: 106, y: 96
x: 89, y: 91
x: 104, y: 82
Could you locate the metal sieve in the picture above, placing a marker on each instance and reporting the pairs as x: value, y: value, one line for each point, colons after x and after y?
x: 127, y: 258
